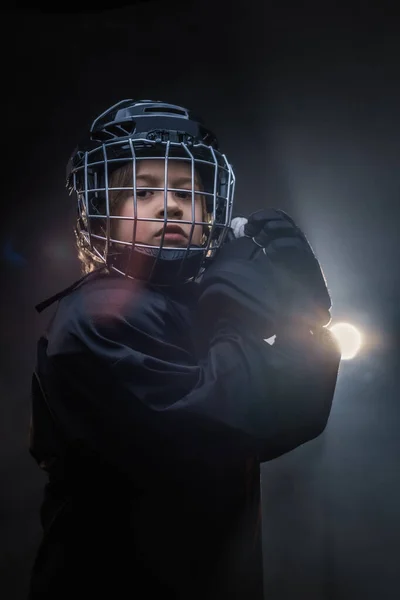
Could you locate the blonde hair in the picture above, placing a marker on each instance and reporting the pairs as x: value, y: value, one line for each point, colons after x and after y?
x: 120, y: 178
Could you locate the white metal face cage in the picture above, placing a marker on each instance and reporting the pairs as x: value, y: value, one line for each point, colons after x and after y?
x: 90, y: 179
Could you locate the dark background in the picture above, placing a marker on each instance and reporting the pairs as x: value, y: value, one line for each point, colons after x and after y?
x: 305, y: 101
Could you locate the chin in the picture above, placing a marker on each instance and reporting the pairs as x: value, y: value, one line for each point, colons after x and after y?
x: 167, y: 244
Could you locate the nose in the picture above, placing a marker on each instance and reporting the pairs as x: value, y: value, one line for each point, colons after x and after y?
x: 174, y: 210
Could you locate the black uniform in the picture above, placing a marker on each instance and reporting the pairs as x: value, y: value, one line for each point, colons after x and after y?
x: 153, y: 451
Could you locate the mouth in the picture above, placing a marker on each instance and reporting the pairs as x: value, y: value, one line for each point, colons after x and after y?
x: 173, y: 233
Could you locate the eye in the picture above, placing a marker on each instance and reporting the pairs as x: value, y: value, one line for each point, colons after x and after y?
x: 184, y: 195
x: 143, y: 193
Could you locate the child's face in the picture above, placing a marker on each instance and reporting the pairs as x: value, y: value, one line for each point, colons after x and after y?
x: 150, y: 205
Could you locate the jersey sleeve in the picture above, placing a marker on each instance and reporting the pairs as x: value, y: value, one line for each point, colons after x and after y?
x: 126, y: 395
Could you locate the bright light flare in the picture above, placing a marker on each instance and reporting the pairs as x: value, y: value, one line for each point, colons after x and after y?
x: 349, y: 339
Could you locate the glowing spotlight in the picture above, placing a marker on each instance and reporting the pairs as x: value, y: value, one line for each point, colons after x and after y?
x: 349, y: 339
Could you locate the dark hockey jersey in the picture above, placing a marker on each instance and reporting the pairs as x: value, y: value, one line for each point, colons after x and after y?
x: 153, y: 451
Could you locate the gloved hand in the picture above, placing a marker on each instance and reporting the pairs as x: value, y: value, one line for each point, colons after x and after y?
x: 300, y: 273
x: 268, y: 277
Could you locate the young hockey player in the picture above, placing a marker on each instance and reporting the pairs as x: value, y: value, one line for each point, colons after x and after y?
x: 155, y: 397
